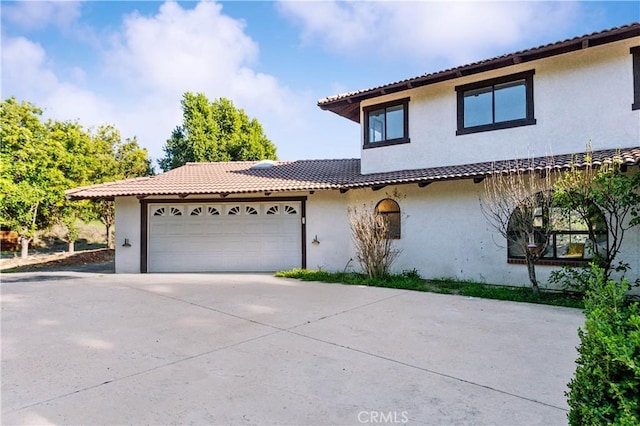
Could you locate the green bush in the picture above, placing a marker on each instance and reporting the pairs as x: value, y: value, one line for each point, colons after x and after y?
x: 606, y: 386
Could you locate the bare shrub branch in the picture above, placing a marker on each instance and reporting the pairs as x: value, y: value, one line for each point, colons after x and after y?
x: 510, y: 201
x: 369, y: 232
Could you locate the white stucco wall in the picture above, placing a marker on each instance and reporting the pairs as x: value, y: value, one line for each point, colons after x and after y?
x: 327, y: 219
x: 444, y: 235
x: 127, y: 226
x: 579, y: 98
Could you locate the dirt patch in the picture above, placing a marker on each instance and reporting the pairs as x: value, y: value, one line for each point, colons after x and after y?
x: 57, y: 260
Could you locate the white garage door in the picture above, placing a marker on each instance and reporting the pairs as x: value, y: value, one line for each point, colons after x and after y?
x: 211, y: 237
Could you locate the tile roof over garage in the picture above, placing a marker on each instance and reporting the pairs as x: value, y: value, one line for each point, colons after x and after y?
x: 311, y: 175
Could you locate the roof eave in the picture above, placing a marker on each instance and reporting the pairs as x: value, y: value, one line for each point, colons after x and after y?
x: 348, y: 105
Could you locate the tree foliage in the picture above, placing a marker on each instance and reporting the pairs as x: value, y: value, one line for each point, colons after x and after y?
x: 118, y: 160
x: 606, y: 386
x: 29, y: 178
x: 215, y: 131
x: 39, y: 161
x: 612, y: 191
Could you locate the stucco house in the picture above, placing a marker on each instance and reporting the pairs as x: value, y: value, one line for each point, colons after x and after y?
x: 427, y: 144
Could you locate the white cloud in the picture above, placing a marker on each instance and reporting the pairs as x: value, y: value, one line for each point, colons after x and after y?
x: 200, y: 50
x: 27, y: 74
x: 197, y: 49
x: 456, y: 32
x: 24, y: 68
x: 178, y: 48
x: 146, y: 66
x: 39, y: 14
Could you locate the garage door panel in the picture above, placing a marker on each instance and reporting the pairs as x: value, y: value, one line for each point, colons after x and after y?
x: 199, y: 263
x: 248, y: 239
x: 193, y: 229
x: 175, y: 229
x: 212, y: 229
x: 252, y: 228
x: 242, y: 245
x: 273, y: 228
x: 238, y: 262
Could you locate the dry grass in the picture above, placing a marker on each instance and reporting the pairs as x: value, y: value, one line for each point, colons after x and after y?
x: 91, y: 236
x: 53, y: 261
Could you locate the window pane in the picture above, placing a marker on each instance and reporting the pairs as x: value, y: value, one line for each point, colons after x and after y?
x: 511, y: 101
x: 559, y: 219
x: 394, y: 225
x: 388, y: 206
x: 395, y: 122
x: 376, y: 126
x: 578, y: 223
x: 478, y: 107
x: 538, y: 218
x: 571, y: 246
x: 516, y: 244
x: 601, y: 243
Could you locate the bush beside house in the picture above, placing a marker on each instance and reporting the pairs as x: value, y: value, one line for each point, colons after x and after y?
x: 606, y: 386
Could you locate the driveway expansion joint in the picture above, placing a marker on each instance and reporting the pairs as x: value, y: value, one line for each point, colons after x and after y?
x: 427, y: 370
x: 468, y: 397
x: 141, y: 372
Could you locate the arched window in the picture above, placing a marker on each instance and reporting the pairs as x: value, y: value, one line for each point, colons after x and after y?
x: 564, y: 234
x: 390, y: 211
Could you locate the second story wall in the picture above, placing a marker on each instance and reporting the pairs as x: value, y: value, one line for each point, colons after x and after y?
x: 579, y: 98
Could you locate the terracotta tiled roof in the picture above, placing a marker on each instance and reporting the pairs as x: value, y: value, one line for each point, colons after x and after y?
x: 236, y: 177
x: 628, y: 156
x: 348, y: 104
x: 312, y: 175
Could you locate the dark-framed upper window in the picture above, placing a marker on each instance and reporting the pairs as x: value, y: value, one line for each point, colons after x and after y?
x: 386, y: 124
x: 389, y: 211
x: 564, y: 234
x: 499, y: 103
x: 635, y: 52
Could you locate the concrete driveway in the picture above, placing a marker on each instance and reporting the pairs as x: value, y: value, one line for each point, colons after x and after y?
x: 83, y: 348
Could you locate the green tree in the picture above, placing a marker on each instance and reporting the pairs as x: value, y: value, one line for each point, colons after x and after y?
x: 115, y: 159
x: 610, y: 189
x: 29, y: 175
x: 75, y: 160
x: 215, y: 131
x: 85, y: 159
x: 38, y: 162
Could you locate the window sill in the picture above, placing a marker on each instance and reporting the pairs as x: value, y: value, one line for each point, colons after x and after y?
x: 497, y: 126
x: 386, y: 143
x: 552, y: 262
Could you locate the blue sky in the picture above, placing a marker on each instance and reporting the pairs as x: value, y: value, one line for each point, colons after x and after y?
x: 128, y: 63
